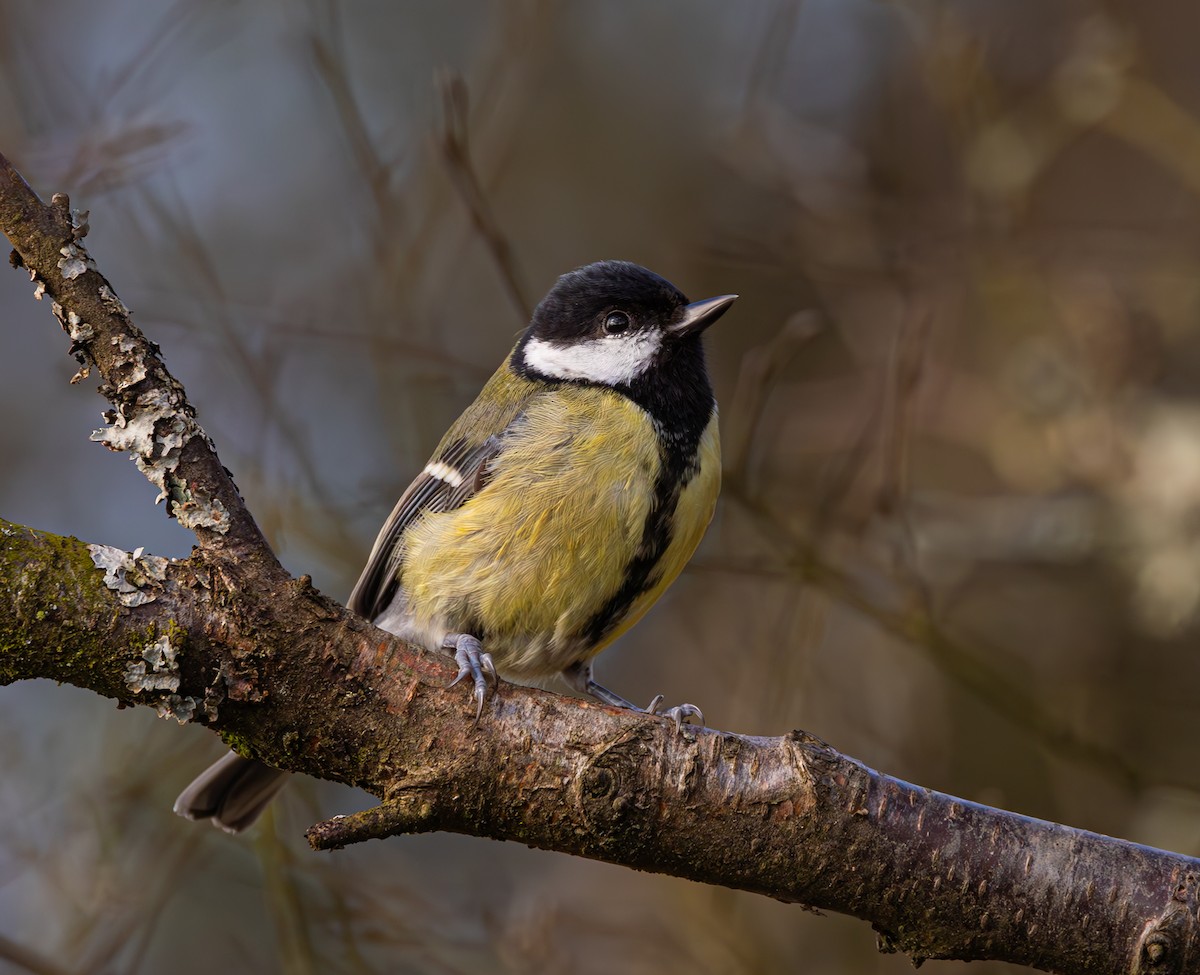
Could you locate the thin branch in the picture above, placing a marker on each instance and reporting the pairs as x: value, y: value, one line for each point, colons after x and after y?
x: 28, y: 960
x: 326, y: 51
x: 965, y: 662
x: 152, y: 418
x: 456, y: 152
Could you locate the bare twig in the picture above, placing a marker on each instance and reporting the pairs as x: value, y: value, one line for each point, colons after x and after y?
x: 152, y: 418
x: 28, y: 960
x: 326, y: 52
x: 456, y: 152
x: 964, y: 662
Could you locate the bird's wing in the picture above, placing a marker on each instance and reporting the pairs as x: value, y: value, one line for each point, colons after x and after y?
x: 458, y: 469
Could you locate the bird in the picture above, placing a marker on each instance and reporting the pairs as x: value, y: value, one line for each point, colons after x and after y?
x: 554, y: 512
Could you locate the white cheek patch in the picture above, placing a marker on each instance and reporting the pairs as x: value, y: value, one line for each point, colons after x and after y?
x: 611, y: 360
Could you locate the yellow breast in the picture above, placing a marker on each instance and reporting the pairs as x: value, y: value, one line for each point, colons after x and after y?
x: 528, y: 562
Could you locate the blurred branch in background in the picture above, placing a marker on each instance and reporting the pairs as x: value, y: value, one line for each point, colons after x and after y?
x: 456, y: 152
x: 903, y: 613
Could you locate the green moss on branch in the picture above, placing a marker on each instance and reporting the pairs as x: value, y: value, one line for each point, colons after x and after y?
x: 57, y: 617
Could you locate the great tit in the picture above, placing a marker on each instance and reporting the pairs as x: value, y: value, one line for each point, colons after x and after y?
x: 554, y: 512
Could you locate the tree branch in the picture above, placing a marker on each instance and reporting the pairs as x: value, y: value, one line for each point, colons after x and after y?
x: 227, y: 639
x: 152, y: 418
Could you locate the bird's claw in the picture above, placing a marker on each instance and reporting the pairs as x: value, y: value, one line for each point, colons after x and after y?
x: 474, y: 663
x: 679, y: 714
x: 580, y: 678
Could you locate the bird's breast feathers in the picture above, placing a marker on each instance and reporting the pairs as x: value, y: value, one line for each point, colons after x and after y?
x: 540, y: 555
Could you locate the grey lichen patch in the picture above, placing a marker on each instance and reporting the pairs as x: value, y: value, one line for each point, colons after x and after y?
x: 156, y: 673
x: 78, y: 329
x: 193, y: 513
x: 81, y: 334
x: 182, y: 709
x: 114, y: 304
x: 153, y: 427
x: 75, y: 261
x: 214, y: 695
x: 136, y: 434
x: 79, y: 223
x: 134, y: 369
x: 152, y: 420
x: 155, y: 670
x: 133, y: 576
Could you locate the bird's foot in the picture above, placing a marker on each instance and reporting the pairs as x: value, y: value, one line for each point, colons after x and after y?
x: 474, y: 663
x: 679, y: 714
x: 580, y: 678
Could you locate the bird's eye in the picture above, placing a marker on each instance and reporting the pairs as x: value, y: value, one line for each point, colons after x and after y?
x: 616, y: 322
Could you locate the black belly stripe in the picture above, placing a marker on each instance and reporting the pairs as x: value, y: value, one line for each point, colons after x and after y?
x: 680, y: 463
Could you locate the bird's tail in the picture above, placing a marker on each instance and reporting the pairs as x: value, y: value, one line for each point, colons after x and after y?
x: 232, y: 792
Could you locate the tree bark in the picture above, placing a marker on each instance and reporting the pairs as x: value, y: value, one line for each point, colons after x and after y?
x: 226, y: 638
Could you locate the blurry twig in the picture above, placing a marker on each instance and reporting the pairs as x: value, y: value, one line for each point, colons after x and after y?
x: 963, y: 663
x: 117, y: 132
x: 771, y: 56
x: 157, y: 53
x: 456, y: 152
x: 285, y: 904
x: 260, y: 370
x: 410, y: 349
x: 296, y: 329
x: 123, y: 936
x: 904, y: 379
x: 27, y: 959
x: 1147, y: 117
x: 759, y: 371
x: 325, y: 47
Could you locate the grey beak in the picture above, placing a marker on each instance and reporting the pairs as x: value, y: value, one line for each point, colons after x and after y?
x: 700, y: 314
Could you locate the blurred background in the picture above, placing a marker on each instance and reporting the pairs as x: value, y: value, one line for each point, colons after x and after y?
x: 960, y: 532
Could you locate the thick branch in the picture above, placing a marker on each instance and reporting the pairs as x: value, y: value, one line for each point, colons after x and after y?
x: 227, y: 639
x: 293, y: 678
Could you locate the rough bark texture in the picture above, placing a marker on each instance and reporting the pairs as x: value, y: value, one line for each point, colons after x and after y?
x: 151, y: 419
x: 295, y: 679
x: 226, y: 638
